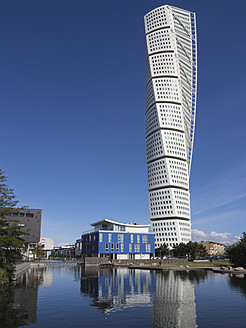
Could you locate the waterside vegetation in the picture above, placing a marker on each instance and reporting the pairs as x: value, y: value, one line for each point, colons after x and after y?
x: 11, y: 241
x: 191, y: 250
x: 237, y: 252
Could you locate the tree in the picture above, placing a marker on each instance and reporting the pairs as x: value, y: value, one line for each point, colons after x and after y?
x: 7, y: 197
x: 39, y: 250
x: 11, y: 241
x: 161, y: 251
x: 237, y: 252
x: 180, y: 250
x: 192, y: 250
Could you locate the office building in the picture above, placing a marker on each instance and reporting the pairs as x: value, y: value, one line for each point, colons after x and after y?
x: 171, y: 78
x: 30, y: 222
x: 117, y: 240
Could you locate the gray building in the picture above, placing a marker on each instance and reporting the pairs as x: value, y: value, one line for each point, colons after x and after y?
x: 30, y: 221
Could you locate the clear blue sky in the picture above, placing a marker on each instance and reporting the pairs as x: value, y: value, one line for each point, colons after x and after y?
x: 72, y: 113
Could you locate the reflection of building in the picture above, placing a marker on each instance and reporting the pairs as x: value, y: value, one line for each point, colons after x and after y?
x: 213, y: 248
x: 25, y: 296
x: 47, y: 276
x: 118, y: 288
x: 174, y: 301
x: 170, y: 120
x: 30, y: 222
x: 117, y: 240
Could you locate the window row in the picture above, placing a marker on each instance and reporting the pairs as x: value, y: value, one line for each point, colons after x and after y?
x: 121, y: 238
x: 120, y: 248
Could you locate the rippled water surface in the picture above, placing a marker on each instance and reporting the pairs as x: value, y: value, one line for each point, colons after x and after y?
x: 70, y: 296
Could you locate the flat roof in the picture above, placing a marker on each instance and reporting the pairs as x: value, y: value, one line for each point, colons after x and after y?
x: 119, y: 223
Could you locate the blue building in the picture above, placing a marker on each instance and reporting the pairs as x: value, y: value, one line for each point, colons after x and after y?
x: 117, y: 241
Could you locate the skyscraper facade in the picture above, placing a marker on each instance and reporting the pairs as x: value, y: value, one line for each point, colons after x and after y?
x: 171, y: 79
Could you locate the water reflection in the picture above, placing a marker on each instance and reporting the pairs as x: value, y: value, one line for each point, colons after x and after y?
x: 174, y: 301
x: 19, y: 302
x: 117, y: 288
x: 166, y: 298
x: 170, y: 293
x: 238, y: 282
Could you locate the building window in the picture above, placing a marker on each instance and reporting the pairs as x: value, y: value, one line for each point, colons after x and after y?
x: 106, y: 247
x: 147, y: 247
x: 122, y: 247
x: 112, y: 247
x: 137, y: 248
x: 145, y: 239
x: 117, y: 247
x: 138, y: 239
x: 120, y: 238
x: 131, y: 238
x: 100, y: 237
x: 109, y: 237
x: 130, y: 248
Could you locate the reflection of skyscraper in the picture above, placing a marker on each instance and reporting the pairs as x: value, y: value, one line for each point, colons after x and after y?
x: 174, y: 301
x: 170, y: 120
x: 118, y: 288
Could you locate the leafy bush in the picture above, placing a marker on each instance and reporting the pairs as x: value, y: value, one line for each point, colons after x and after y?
x: 237, y: 252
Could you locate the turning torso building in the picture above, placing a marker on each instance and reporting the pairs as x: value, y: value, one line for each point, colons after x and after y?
x: 171, y: 71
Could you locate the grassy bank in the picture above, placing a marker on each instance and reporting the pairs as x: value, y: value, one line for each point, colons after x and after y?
x: 193, y: 264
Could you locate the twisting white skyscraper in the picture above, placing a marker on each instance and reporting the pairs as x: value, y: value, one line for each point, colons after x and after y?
x: 170, y: 120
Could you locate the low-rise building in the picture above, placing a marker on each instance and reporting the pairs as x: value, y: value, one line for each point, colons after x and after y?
x: 64, y: 251
x: 117, y: 240
x: 48, y: 245
x: 213, y: 248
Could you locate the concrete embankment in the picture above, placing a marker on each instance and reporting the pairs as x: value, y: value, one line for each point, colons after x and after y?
x: 188, y: 268
x: 231, y: 271
x: 20, y: 268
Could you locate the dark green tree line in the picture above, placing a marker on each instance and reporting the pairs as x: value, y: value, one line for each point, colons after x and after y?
x: 192, y: 249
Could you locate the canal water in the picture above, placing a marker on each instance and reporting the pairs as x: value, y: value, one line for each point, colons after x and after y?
x: 70, y: 296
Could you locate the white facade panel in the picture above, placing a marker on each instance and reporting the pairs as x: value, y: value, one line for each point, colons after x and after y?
x: 165, y: 172
x: 171, y: 231
x: 122, y: 256
x: 164, y: 115
x: 136, y: 229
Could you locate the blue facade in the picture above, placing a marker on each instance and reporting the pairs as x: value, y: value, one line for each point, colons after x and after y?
x: 111, y: 242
